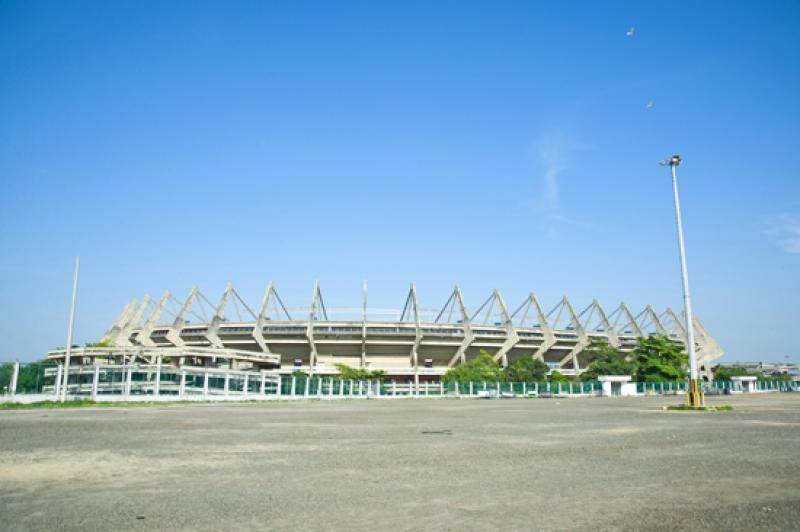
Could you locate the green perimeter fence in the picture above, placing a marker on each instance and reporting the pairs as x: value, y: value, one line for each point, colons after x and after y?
x: 35, y: 378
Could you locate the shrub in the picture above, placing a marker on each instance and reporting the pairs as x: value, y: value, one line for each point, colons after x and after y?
x: 482, y: 368
x: 659, y: 359
x: 526, y: 370
x: 605, y: 359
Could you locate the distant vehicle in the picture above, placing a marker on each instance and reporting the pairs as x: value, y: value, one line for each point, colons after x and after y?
x: 487, y: 394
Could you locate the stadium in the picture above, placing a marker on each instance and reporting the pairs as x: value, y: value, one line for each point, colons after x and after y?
x: 410, y: 344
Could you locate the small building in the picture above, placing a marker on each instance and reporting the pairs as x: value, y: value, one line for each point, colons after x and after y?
x: 744, y: 384
x: 617, y: 385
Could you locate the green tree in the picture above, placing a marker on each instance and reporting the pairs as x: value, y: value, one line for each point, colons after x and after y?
x: 557, y: 376
x: 30, y: 378
x: 526, y: 370
x: 358, y: 374
x: 725, y: 373
x: 481, y: 368
x: 605, y: 359
x: 5, y: 375
x: 659, y: 359
x: 101, y: 343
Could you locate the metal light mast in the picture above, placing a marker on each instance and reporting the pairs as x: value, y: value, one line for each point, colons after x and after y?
x: 70, y: 328
x: 694, y: 396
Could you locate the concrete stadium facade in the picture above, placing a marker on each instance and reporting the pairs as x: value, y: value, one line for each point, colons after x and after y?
x: 406, y: 344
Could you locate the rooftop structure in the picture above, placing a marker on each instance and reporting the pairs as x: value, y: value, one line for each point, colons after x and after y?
x: 412, y: 343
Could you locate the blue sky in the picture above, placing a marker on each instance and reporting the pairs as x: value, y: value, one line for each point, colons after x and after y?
x: 493, y: 144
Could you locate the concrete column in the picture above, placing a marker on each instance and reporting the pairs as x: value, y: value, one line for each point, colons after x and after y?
x: 330, y: 387
x: 470, y: 388
x: 294, y: 379
x: 227, y: 384
x: 205, y: 385
x: 262, y: 384
x: 525, y: 389
x: 279, y: 390
x: 426, y: 388
x: 394, y: 389
x: 182, y: 386
x: 360, y: 388
x: 157, y: 386
x: 497, y: 387
x: 57, y: 383
x: 351, y: 388
x: 319, y: 387
x: 570, y: 388
x: 129, y: 380
x: 341, y: 388
x: 305, y: 392
x: 12, y: 389
x: 95, y: 381
x: 245, y: 384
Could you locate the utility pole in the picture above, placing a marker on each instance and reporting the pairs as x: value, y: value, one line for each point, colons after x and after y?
x: 69, y: 330
x: 694, y: 396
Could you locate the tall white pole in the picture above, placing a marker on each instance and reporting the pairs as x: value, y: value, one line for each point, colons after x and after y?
x: 687, y: 300
x: 695, y: 398
x: 69, y: 330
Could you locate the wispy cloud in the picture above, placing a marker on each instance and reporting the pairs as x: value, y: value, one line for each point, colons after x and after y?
x: 784, y: 231
x: 552, y: 157
x: 553, y: 154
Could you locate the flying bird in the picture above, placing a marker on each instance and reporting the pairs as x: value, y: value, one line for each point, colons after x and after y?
x: 629, y: 33
x: 649, y: 104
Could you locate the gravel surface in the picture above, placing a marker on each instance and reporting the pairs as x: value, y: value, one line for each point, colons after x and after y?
x: 618, y: 464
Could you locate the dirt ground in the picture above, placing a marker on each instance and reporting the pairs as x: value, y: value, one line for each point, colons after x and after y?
x: 438, y: 464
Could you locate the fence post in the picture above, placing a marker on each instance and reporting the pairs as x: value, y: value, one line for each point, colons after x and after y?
x: 205, y: 385
x: 128, y: 381
x: 57, y: 383
x: 262, y: 386
x: 294, y: 379
x: 157, y: 385
x: 470, y: 388
x: 279, y: 389
x: 394, y: 388
x: 570, y: 388
x: 95, y: 380
x: 305, y: 389
x: 226, y: 387
x: 14, y: 377
x: 182, y: 386
x: 245, y: 384
x: 319, y: 387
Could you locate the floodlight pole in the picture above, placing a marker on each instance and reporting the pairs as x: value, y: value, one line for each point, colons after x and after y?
x: 70, y: 328
x: 694, y: 396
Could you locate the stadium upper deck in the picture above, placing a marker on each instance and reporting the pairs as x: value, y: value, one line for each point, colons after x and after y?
x: 411, y: 343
